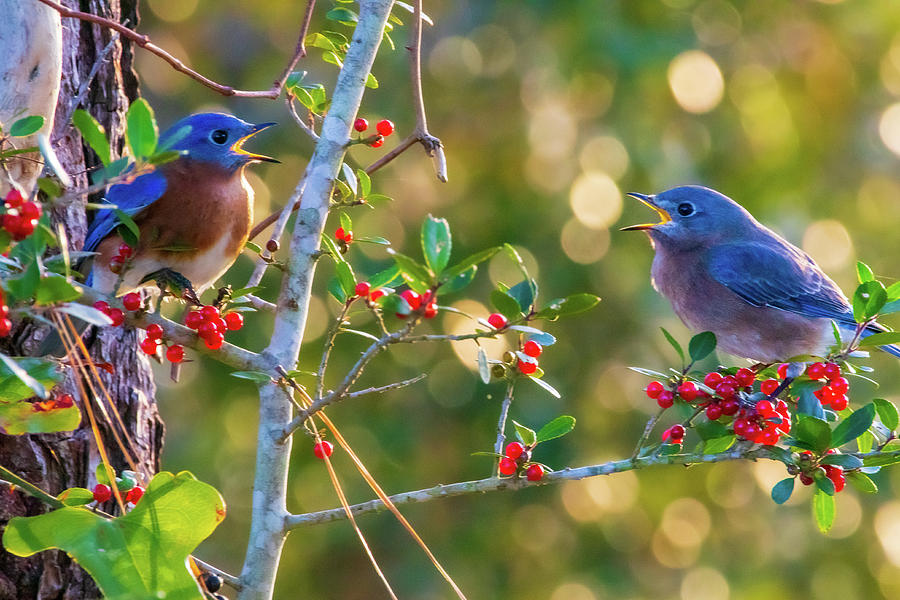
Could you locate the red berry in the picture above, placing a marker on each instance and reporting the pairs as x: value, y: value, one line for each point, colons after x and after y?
x: 653, y: 389
x: 384, y: 127
x: 687, y: 390
x: 175, y: 353
x: 5, y: 327
x: 125, y: 251
x: 154, y: 331
x: 14, y: 198
x: 102, y: 493
x: 26, y: 228
x: 348, y: 237
x: 11, y: 222
x: 665, y: 399
x: 527, y: 367
x: 806, y: 479
x: 116, y: 264
x: 832, y: 371
x: 413, y: 299
x: 730, y: 407
x: 117, y: 316
x: 323, y: 449
x: 816, y: 370
x: 234, y: 321
x: 149, y: 346
x: 676, y: 433
x: 712, y: 379
x: 376, y: 294
x: 725, y: 390
x: 752, y: 430
x: 765, y: 408
x: 4, y: 308
x: 514, y: 450
x: 135, y: 494
x: 360, y: 125
x: 532, y: 348
x: 377, y: 142
x: 362, y: 289
x: 209, y: 312
x: 339, y: 234
x: 214, y: 341
x: 507, y: 466
x: 64, y: 401
x: 534, y: 472
x: 131, y: 301
x: 840, y: 385
x: 220, y: 324
x: 206, y: 329
x: 713, y: 411
x: 431, y: 310
x: 840, y: 403
x: 102, y: 306
x: 30, y: 210
x: 194, y: 319
x: 782, y: 370
x: 769, y: 386
x: 497, y: 321
x: 745, y: 377
x: 769, y: 437
x: 836, y: 475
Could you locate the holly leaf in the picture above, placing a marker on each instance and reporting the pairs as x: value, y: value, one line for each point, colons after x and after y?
x: 141, y: 132
x: 823, y: 510
x: 702, y: 345
x: 92, y: 133
x: 782, y: 491
x: 887, y: 413
x: 436, y: 243
x: 526, y: 434
x: 558, y: 427
x: 140, y: 555
x: 853, y: 426
x: 26, y: 126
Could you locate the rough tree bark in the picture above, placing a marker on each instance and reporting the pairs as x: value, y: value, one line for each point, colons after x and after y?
x: 55, y: 462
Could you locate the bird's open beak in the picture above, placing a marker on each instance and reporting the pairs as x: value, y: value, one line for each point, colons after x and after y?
x: 238, y: 145
x: 664, y: 217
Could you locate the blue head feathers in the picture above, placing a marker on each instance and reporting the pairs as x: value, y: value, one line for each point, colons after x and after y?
x: 215, y: 138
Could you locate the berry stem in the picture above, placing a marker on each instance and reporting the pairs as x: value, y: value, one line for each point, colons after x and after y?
x: 501, y: 423
x: 648, y: 429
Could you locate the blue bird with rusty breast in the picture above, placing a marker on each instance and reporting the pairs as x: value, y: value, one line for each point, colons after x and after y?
x: 194, y: 214
x: 723, y: 271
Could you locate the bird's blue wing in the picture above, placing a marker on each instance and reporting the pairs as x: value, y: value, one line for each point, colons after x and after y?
x: 131, y: 198
x: 779, y: 276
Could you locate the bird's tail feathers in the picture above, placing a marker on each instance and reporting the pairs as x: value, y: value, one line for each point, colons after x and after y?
x: 879, y: 328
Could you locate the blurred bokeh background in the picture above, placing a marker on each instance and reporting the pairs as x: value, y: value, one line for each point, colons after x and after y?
x: 549, y: 111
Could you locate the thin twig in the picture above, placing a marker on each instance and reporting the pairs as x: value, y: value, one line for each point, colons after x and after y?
x: 329, y: 345
x: 86, y: 84
x: 144, y: 42
x: 648, y: 428
x: 491, y: 484
x: 501, y: 422
x: 299, y: 120
x: 228, y: 578
x: 29, y: 488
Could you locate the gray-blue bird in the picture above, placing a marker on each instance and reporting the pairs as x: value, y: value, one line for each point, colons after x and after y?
x: 723, y: 271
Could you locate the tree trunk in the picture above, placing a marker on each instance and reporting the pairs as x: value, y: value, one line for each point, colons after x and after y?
x: 58, y: 461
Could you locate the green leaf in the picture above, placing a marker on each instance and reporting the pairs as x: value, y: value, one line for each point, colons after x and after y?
x: 76, y: 496
x: 881, y: 460
x: 49, y: 187
x: 814, y: 432
x: 709, y: 430
x: 141, y: 133
x: 893, y: 291
x: 845, y: 461
x: 702, y: 345
x: 436, y: 243
x: 887, y: 413
x: 337, y: 290
x: 782, y: 491
x: 371, y: 82
x: 823, y: 511
x: 571, y: 305
x: 468, y: 262
x: 717, y: 445
x: 114, y: 169
x: 865, y: 442
x: 350, y: 177
x: 825, y: 484
x: 890, y: 307
x: 505, y: 304
x: 386, y: 277
x: 459, y: 282
x: 484, y: 369
x: 674, y: 343
x: 253, y: 247
x: 861, y: 482
x: 88, y: 314
x: 365, y: 182
x: 346, y: 277
x: 853, y: 426
x: 53, y: 289
x: 140, y: 555
x: 332, y: 248
x: 524, y: 293
x: 868, y: 300
x: 258, y: 376
x: 92, y: 133
x: 864, y: 273
x: 26, y: 126
x: 527, y: 435
x: 342, y: 15
x: 558, y: 427
x: 129, y: 225
x: 22, y: 378
x: 416, y: 275
x: 541, y: 337
x: 880, y: 339
x: 317, y: 40
x: 535, y: 377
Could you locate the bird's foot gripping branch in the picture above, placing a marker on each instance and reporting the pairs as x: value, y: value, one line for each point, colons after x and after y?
x: 799, y: 412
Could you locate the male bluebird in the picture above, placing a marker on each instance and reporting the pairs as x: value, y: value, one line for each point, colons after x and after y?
x: 194, y: 213
x: 723, y: 271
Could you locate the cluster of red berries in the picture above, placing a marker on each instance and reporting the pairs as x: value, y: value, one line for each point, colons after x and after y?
x: 102, y: 493
x: 115, y: 314
x: 364, y: 290
x: 832, y: 472
x: 383, y: 127
x: 323, y: 449
x: 53, y: 403
x: 417, y: 301
x: 211, y: 326
x: 764, y: 423
x: 834, y: 392
x: 526, y: 361
x: 149, y: 345
x: 21, y: 217
x: 118, y: 262
x: 515, y: 457
x: 5, y: 323
x: 343, y: 238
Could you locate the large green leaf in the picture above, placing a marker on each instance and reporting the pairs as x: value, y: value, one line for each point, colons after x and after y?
x: 823, y: 510
x: 139, y: 556
x: 436, y: 243
x: 92, y: 133
x: 38, y: 372
x: 26, y: 126
x: 141, y: 132
x: 853, y: 426
x: 814, y: 432
x: 558, y: 427
x: 702, y: 345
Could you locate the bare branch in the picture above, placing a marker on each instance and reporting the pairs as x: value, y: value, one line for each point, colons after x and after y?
x: 501, y: 422
x: 144, y: 42
x: 299, y: 120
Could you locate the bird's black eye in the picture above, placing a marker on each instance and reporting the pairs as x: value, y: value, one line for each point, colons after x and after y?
x: 219, y: 136
x: 685, y: 209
